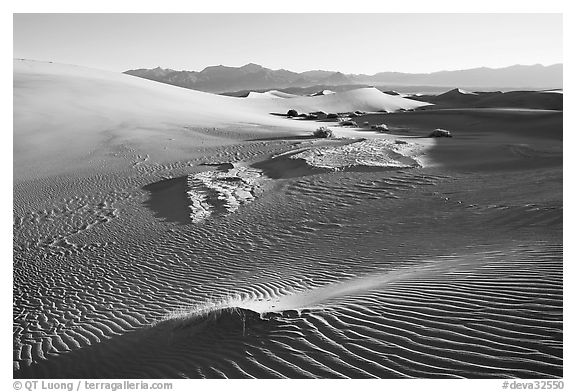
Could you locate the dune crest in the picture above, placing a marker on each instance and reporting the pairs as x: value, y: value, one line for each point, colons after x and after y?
x: 269, y: 94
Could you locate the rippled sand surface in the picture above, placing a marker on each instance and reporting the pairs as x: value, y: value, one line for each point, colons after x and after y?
x: 162, y: 232
x: 389, y: 272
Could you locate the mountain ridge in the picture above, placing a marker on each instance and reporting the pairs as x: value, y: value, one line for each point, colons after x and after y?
x: 221, y: 79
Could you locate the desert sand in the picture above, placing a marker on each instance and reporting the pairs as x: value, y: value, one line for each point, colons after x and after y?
x: 165, y: 232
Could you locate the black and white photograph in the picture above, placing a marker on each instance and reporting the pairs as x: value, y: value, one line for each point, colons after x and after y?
x: 281, y: 195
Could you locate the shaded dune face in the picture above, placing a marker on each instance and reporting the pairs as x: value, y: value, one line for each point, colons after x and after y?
x: 168, y: 199
x: 546, y: 100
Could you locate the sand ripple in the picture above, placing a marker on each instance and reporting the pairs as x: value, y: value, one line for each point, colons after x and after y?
x: 333, y: 274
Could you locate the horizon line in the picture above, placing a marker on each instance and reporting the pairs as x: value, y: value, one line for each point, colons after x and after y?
x: 351, y: 73
x: 298, y: 72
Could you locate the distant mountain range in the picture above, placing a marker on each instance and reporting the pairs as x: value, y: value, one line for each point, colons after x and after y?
x: 221, y: 79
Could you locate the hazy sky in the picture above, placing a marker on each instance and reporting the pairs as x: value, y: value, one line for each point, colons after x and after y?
x: 351, y: 43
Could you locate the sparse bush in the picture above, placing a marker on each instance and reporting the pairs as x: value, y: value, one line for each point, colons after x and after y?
x: 440, y: 133
x: 380, y: 127
x: 352, y: 115
x: 292, y: 113
x: 323, y: 132
x: 349, y: 123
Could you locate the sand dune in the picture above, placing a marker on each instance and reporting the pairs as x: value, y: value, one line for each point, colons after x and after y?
x: 163, y: 232
x: 88, y: 109
x: 366, y: 99
x: 270, y: 94
x: 465, y: 92
x: 537, y: 100
x: 85, y: 109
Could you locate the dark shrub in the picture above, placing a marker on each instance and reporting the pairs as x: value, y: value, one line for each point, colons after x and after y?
x: 349, y: 124
x: 332, y: 115
x: 323, y: 132
x: 292, y: 113
x: 440, y: 133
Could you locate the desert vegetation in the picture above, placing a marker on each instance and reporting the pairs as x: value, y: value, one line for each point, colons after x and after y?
x: 438, y: 132
x: 323, y: 132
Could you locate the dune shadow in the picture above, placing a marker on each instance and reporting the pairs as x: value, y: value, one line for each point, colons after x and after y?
x: 175, y: 348
x: 284, y: 166
x: 168, y: 200
x: 498, y: 139
x: 484, y: 138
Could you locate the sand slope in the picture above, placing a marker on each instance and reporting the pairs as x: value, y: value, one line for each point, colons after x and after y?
x: 92, y: 111
x: 82, y: 108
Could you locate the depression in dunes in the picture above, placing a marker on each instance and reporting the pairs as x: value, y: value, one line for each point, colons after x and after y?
x: 162, y: 232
